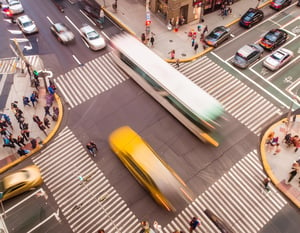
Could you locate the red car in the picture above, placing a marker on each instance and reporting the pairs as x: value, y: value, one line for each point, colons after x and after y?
x: 280, y: 4
x: 273, y: 39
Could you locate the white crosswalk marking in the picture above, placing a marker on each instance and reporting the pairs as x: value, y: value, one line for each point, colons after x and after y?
x: 242, y: 102
x: 237, y: 198
x: 10, y: 65
x: 85, y: 82
x: 87, y: 205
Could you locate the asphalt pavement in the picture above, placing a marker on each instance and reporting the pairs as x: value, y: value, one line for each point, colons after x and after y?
x: 277, y: 166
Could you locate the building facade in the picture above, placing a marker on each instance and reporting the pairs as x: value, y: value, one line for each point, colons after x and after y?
x: 185, y: 11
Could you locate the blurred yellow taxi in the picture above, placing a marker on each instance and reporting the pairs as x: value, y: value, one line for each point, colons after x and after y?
x: 19, y: 182
x: 165, y: 186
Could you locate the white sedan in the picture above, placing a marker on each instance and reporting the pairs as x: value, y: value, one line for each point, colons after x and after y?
x: 26, y: 24
x: 92, y: 38
x: 15, y: 7
x: 278, y: 59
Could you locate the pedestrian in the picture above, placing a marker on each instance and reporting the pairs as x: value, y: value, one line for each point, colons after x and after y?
x: 36, y: 83
x: 143, y: 38
x: 199, y: 28
x: 292, y: 173
x: 42, y: 127
x: 296, y: 142
x: 28, y: 68
x: 21, y: 121
x: 33, y: 143
x: 152, y: 40
x: 101, y: 231
x: 33, y: 98
x: 266, y: 183
x: 196, y: 47
x: 177, y: 63
x: 13, y: 140
x: 172, y: 52
x: 205, y: 29
x: 7, y: 143
x: 20, y: 140
x: 193, y: 42
x: 36, y: 119
x: 55, y: 110
x: 47, y: 110
x: 25, y: 134
x: 46, y: 122
x: 193, y: 224
x: 7, y: 120
x: 26, y: 101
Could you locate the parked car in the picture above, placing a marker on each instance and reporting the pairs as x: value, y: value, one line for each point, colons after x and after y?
x: 165, y: 186
x: 278, y: 59
x: 280, y: 4
x: 62, y: 33
x: 92, y: 38
x: 26, y: 24
x: 15, y: 6
x: 217, y: 36
x: 19, y: 182
x: 247, y: 55
x: 251, y: 17
x: 273, y: 39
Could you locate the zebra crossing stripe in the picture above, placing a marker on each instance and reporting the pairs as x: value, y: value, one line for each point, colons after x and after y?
x: 237, y: 198
x: 95, y: 77
x: 236, y: 97
x: 82, y: 203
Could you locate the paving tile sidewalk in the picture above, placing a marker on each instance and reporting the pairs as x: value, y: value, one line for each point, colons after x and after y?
x: 279, y: 165
x: 21, y: 87
x: 132, y: 14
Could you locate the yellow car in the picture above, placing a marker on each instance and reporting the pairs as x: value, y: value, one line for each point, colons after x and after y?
x: 19, y: 182
x: 165, y: 186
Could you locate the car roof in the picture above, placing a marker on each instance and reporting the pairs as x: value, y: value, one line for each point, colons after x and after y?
x: 24, y: 18
x: 15, y: 178
x: 246, y: 50
x: 87, y: 29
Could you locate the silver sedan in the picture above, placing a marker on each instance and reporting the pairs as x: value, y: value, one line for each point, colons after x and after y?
x: 278, y: 59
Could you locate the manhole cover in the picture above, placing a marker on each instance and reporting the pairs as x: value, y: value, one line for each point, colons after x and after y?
x: 183, y: 54
x: 170, y: 41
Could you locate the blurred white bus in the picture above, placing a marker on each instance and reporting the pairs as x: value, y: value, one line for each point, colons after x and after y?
x: 187, y: 102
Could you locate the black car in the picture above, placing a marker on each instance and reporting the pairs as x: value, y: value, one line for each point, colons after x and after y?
x: 273, y: 39
x: 280, y: 4
x: 251, y: 17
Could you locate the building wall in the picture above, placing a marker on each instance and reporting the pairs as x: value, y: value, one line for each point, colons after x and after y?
x: 172, y: 9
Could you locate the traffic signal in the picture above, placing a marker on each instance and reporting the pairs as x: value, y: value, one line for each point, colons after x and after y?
x: 148, y: 22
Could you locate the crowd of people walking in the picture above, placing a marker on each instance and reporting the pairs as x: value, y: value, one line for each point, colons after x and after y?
x: 20, y: 138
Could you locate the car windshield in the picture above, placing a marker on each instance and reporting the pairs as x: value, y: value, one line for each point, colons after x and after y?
x: 239, y: 58
x: 249, y: 16
x: 14, y: 3
x: 271, y: 37
x: 92, y: 35
x: 61, y: 28
x: 216, y: 34
x: 278, y: 56
x: 279, y: 1
x: 27, y: 24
